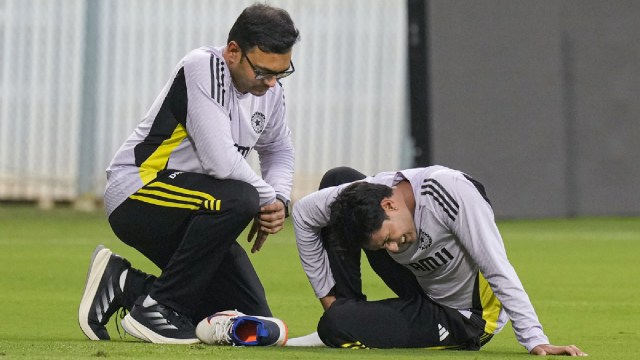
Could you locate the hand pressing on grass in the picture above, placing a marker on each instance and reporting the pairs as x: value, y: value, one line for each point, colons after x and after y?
x: 548, y: 349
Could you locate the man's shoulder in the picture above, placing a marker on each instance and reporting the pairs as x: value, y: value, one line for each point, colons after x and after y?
x: 207, y: 58
x: 438, y: 185
x: 204, y: 52
x: 206, y: 67
x: 434, y: 172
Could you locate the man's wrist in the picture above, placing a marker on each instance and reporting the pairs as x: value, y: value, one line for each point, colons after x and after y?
x: 286, y: 203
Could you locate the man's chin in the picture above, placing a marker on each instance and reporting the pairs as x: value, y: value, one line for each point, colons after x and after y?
x: 259, y: 92
x: 402, y: 248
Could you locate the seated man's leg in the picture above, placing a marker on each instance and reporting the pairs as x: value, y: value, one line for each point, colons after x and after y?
x: 238, y: 283
x: 340, y: 175
x: 397, y: 277
x: 184, y: 223
x: 397, y: 323
x: 236, y: 301
x: 345, y: 263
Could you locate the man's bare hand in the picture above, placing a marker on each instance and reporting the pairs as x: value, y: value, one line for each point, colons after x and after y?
x: 548, y: 349
x: 256, y: 235
x: 272, y: 217
x: 270, y: 220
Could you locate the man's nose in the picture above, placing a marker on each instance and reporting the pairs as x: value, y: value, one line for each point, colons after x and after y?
x: 270, y: 81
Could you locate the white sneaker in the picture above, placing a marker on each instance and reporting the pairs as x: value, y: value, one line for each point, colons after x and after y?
x: 235, y: 328
x: 216, y: 329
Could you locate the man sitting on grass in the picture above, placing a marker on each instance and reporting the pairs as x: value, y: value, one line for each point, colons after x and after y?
x: 430, y: 234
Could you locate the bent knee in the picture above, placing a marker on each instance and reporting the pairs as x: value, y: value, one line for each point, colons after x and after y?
x: 333, y: 327
x: 340, y: 175
x: 246, y: 201
x: 328, y: 328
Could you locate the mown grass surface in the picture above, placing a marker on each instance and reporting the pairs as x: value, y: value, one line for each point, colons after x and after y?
x: 581, y: 274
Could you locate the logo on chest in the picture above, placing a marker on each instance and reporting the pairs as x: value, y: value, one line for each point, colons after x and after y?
x: 258, y: 121
x: 425, y: 240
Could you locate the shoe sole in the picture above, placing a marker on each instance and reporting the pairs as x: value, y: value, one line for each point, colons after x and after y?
x: 134, y: 328
x: 131, y: 330
x: 98, y: 264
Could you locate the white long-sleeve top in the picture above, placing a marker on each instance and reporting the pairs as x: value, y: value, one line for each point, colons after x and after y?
x: 201, y: 123
x: 459, y: 258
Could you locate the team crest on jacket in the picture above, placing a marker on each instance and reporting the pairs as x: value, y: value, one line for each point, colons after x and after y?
x: 257, y: 121
x: 425, y: 240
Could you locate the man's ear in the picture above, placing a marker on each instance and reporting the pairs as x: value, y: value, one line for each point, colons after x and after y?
x: 388, y: 204
x: 234, y: 51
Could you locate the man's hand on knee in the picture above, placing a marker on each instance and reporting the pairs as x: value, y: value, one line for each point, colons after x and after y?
x: 272, y: 217
x: 256, y: 235
x: 270, y: 220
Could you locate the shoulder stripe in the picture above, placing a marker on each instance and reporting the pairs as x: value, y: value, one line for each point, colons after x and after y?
x: 213, y: 78
x: 434, y: 189
x: 436, y: 183
x: 217, y: 79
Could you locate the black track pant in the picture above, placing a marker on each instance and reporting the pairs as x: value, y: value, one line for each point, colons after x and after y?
x: 411, y: 320
x: 187, y: 224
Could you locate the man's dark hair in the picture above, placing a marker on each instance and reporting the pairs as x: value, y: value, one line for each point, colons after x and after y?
x: 356, y: 213
x: 269, y: 28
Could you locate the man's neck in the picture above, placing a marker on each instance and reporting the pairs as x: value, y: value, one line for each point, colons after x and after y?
x: 406, y: 193
x: 225, y: 56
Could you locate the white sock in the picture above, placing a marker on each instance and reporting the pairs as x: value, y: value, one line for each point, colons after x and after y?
x: 148, y: 301
x: 123, y: 277
x: 308, y: 340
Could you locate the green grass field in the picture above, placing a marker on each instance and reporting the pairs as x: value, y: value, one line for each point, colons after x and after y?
x: 579, y: 274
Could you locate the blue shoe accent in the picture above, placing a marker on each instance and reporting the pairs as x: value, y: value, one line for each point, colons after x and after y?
x: 258, y: 331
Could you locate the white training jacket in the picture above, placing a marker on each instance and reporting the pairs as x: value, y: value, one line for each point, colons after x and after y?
x: 459, y: 258
x: 200, y: 123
